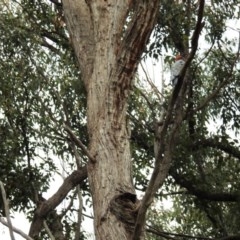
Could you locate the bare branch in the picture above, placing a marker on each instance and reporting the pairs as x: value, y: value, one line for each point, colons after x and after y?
x: 63, y: 213
x: 160, y: 233
x: 145, y: 98
x: 205, y: 56
x: 6, y: 208
x: 80, y: 208
x: 16, y: 230
x: 46, y: 206
x: 79, y: 143
x: 48, y: 231
x: 215, y: 93
x: 49, y: 46
x: 56, y: 2
x: 153, y: 86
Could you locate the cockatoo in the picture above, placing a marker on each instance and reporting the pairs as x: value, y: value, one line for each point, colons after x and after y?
x: 176, y: 69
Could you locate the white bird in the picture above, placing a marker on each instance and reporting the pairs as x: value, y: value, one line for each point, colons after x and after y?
x: 176, y: 69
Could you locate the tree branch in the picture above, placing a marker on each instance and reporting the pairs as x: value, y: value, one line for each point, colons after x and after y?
x: 79, y: 143
x: 79, y: 214
x: 48, y: 231
x: 210, y: 195
x: 168, y: 235
x: 6, y: 208
x: 233, y: 237
x: 16, y: 230
x: 153, y: 86
x: 164, y: 152
x: 46, y: 206
x: 49, y: 46
x: 214, y: 143
x: 160, y: 233
x: 194, y: 45
x: 136, y: 36
x: 56, y: 2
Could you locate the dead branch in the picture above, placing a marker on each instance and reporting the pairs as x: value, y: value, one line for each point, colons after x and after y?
x: 79, y: 218
x: 215, y: 143
x: 16, y: 230
x: 46, y: 206
x: 6, y: 208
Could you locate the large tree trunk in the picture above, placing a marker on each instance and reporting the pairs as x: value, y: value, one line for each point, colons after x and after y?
x: 108, y: 51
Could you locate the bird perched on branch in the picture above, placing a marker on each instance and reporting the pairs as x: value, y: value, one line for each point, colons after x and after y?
x: 176, y: 69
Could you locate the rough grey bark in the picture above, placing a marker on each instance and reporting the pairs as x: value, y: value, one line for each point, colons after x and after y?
x: 108, y: 50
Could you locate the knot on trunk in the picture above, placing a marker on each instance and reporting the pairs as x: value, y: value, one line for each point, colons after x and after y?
x: 125, y: 208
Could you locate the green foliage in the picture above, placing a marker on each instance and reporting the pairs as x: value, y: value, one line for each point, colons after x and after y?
x: 40, y: 90
x: 206, y: 159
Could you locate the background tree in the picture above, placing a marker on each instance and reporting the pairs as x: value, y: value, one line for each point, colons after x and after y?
x: 67, y: 91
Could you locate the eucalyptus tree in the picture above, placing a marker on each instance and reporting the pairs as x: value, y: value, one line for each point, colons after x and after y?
x: 67, y: 91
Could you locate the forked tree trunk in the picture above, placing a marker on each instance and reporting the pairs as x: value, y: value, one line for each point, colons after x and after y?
x: 108, y: 50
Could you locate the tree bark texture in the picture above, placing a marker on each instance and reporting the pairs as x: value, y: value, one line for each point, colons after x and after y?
x: 109, y: 37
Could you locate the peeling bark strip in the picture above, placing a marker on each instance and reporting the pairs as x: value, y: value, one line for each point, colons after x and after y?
x: 108, y: 48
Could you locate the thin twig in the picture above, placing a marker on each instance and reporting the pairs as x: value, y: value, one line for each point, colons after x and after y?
x: 153, y: 86
x: 63, y: 213
x: 85, y: 215
x: 78, y: 159
x: 6, y: 208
